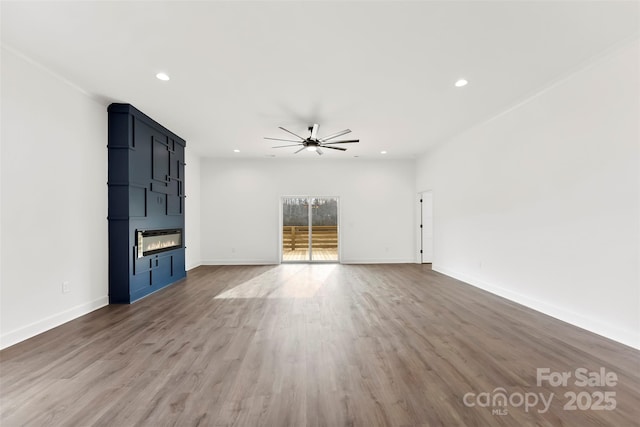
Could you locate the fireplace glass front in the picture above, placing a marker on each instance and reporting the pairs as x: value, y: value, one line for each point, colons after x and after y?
x: 155, y: 241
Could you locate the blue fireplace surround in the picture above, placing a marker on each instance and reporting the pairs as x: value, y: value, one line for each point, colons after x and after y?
x: 146, y: 193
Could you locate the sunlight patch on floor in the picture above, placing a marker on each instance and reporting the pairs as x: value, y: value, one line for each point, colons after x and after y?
x: 286, y: 281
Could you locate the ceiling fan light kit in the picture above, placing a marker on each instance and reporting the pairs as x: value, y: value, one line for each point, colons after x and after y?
x: 312, y: 142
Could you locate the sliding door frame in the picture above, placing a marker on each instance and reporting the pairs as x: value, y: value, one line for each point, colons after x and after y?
x: 310, y: 225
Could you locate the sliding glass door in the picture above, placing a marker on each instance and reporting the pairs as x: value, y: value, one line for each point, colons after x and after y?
x: 309, y: 229
x: 295, y: 229
x: 324, y: 229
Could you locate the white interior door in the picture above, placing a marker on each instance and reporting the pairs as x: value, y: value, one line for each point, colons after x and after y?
x: 426, y: 249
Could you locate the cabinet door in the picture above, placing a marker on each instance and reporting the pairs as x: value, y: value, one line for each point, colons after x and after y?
x: 160, y: 165
x: 175, y: 195
x: 174, y: 204
x: 140, y: 166
x: 162, y: 273
x: 140, y: 282
x: 176, y: 163
x: 156, y: 207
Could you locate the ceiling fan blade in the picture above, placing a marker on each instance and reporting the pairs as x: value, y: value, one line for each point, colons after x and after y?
x: 336, y: 148
x: 292, y: 145
x: 346, y: 141
x: 314, y: 131
x: 280, y: 139
x: 319, y: 151
x: 299, y: 150
x: 334, y: 135
x: 280, y: 127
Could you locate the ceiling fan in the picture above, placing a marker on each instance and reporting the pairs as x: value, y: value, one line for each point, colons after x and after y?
x: 312, y: 142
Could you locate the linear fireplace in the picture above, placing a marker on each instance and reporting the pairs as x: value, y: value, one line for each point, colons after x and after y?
x: 151, y: 242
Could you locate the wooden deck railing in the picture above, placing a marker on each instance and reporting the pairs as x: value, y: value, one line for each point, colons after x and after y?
x: 297, y: 237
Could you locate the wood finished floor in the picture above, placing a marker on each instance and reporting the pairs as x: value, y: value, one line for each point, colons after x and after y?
x: 303, y: 255
x: 308, y: 345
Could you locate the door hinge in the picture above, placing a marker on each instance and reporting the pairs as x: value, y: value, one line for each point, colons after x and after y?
x: 420, y: 225
x: 420, y: 200
x: 420, y: 250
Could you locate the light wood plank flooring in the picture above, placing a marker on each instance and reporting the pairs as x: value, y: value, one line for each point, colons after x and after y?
x: 303, y: 255
x: 311, y: 345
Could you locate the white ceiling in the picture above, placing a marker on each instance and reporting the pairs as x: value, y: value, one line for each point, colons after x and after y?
x: 383, y: 69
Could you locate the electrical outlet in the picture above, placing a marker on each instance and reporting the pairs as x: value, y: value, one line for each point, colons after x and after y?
x: 66, y: 287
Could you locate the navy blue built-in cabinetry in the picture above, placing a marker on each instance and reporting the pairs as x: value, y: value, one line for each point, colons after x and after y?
x: 146, y: 205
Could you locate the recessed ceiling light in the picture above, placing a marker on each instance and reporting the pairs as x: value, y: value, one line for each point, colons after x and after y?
x: 162, y: 76
x: 383, y: 152
x: 236, y: 151
x: 461, y: 82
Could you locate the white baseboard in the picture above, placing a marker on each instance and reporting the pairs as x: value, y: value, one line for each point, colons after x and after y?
x: 379, y: 261
x: 191, y: 267
x: 627, y: 337
x: 43, y: 325
x: 273, y: 262
x: 240, y: 262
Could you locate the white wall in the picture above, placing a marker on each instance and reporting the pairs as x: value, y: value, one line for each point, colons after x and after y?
x: 192, y: 209
x: 54, y: 201
x: 541, y: 204
x: 240, y: 206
